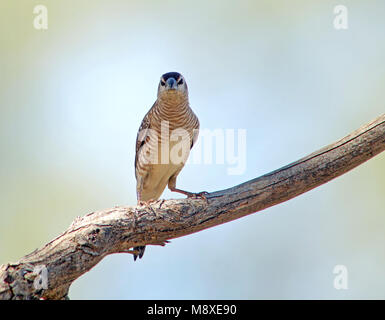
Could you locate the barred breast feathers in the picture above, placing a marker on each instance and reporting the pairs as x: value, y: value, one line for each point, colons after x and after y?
x: 177, y: 114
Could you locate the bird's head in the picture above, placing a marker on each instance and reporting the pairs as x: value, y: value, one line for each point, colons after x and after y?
x: 172, y: 84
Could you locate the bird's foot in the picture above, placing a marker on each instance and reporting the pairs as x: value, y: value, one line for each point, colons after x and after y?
x: 145, y: 203
x: 148, y: 204
x: 198, y: 195
x: 160, y: 243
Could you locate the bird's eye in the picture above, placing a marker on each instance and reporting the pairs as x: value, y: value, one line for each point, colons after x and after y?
x: 162, y: 83
x: 180, y: 81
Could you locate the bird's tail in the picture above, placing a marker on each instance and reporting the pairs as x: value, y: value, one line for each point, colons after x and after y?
x: 140, y: 252
x: 143, y: 198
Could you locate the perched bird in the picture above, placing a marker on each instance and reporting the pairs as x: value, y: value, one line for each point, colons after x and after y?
x: 166, y: 135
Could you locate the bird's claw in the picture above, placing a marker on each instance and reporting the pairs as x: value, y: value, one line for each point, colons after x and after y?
x: 161, y: 243
x: 145, y: 203
x: 199, y: 195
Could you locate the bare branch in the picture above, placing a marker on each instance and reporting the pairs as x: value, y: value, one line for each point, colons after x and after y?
x: 90, y: 238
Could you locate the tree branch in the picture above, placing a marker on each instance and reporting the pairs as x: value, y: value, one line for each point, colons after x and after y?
x: 90, y: 238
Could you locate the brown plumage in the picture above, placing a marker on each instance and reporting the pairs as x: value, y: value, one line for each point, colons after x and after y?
x: 166, y: 135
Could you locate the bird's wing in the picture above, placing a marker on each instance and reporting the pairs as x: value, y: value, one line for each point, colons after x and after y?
x: 143, y: 133
x: 195, y: 132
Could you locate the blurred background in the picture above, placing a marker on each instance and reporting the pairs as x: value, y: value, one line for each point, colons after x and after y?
x: 72, y: 98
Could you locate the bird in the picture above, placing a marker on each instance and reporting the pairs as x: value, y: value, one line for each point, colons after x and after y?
x: 165, y: 137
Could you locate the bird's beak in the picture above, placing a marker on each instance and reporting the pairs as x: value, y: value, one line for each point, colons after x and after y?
x: 171, y: 83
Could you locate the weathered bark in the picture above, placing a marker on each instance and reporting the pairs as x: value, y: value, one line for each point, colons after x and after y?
x: 90, y: 238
